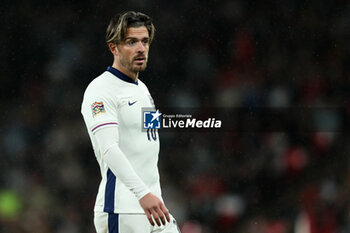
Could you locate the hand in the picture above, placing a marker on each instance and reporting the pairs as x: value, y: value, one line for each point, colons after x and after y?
x: 153, y: 206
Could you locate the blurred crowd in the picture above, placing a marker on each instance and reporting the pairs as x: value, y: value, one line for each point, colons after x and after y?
x: 273, y: 54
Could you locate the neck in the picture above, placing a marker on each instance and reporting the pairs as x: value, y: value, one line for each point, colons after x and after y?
x: 125, y: 71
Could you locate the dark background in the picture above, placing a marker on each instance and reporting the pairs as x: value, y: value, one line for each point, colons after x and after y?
x: 224, y: 54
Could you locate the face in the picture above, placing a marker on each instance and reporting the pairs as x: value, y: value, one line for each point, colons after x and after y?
x: 131, y: 55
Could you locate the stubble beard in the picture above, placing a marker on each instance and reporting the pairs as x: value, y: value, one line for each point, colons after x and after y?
x: 134, y: 68
x: 138, y: 68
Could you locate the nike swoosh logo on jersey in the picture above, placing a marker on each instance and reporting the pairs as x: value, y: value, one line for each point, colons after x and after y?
x: 131, y: 103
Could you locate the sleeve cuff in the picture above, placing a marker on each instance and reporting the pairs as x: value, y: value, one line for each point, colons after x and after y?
x: 144, y: 192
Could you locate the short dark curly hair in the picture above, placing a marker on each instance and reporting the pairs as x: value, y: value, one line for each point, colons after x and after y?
x: 119, y: 24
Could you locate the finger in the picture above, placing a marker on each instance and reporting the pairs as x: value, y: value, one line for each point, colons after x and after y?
x: 161, y: 216
x: 148, y: 213
x: 155, y: 217
x: 165, y: 211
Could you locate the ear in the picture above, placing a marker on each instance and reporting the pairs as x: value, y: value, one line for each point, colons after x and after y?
x: 113, y: 48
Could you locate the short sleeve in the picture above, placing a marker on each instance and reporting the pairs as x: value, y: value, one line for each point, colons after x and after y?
x: 99, y: 111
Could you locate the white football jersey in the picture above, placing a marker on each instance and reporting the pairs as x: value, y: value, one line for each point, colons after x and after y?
x: 115, y: 100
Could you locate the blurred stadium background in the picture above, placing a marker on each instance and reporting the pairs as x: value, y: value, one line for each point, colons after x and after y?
x: 206, y: 53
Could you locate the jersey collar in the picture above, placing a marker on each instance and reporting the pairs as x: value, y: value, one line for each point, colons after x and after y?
x: 121, y: 76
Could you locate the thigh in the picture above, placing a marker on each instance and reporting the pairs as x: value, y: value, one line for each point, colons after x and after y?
x: 170, y: 227
x: 134, y: 223
x: 101, y: 222
x: 106, y: 222
x: 130, y: 223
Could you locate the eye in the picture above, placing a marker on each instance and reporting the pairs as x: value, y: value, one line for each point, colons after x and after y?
x: 131, y: 42
x: 145, y: 41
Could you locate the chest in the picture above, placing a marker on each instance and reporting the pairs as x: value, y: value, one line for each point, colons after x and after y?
x: 131, y: 105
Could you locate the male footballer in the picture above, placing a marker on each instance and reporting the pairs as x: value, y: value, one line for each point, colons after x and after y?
x: 129, y: 197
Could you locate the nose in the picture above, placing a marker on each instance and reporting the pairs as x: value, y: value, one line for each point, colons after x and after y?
x: 141, y: 47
